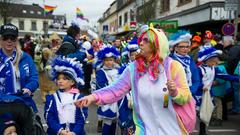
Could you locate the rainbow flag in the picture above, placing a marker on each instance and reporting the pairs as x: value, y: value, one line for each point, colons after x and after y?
x: 48, y: 9
x: 80, y: 15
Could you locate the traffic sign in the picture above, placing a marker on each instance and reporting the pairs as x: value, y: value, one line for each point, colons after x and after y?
x: 133, y: 25
x: 228, y: 29
x: 231, y: 5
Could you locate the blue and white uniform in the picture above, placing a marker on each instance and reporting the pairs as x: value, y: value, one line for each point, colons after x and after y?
x: 61, y: 113
x: 104, y: 77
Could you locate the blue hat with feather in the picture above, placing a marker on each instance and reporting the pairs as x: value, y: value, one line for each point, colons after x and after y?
x: 108, y: 51
x: 207, y: 52
x: 69, y: 67
x: 131, y: 47
x: 180, y: 36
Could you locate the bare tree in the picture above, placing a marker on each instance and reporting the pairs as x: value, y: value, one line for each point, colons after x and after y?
x: 5, y: 8
x: 146, y: 12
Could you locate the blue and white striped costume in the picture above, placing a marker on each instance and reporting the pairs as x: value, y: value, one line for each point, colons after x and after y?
x: 60, y: 113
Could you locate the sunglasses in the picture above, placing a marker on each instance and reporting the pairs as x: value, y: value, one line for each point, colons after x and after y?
x: 9, y: 37
x: 183, y: 47
x: 146, y: 40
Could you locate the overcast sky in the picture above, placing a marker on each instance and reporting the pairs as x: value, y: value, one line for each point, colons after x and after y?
x: 92, y: 9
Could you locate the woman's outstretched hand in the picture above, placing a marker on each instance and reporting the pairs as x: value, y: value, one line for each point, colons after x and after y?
x: 85, y: 101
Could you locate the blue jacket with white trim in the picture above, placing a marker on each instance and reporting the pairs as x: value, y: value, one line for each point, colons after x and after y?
x: 51, y: 117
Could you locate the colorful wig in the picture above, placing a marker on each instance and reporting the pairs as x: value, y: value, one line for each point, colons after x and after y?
x: 159, y: 43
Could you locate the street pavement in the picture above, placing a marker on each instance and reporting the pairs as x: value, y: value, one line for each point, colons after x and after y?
x: 230, y: 127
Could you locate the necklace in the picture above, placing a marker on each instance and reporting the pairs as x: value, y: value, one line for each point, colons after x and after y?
x: 146, y: 64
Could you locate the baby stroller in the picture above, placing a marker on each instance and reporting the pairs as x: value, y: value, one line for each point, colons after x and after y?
x: 27, y: 121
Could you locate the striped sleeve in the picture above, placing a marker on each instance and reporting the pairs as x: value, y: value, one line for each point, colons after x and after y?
x: 114, y: 91
x: 179, y: 77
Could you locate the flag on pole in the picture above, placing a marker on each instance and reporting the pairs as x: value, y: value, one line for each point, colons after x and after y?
x: 48, y: 9
x: 80, y: 15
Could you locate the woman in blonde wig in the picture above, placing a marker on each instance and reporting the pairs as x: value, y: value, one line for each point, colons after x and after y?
x: 152, y: 88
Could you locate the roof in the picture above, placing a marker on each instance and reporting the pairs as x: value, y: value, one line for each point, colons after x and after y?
x: 113, y: 3
x: 27, y: 11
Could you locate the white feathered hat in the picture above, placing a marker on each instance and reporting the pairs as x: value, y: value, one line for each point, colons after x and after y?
x: 180, y: 36
x: 68, y: 66
x: 207, y: 52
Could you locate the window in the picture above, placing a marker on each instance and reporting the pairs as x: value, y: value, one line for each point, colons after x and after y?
x: 165, y: 5
x: 21, y: 25
x: 31, y: 12
x: 112, y: 27
x: 24, y: 11
x: 145, y: 13
x: 125, y: 17
x: 45, y: 26
x: 183, y: 2
x: 105, y: 28
x: 120, y: 21
x: 39, y: 12
x: 132, y: 15
x: 34, y: 25
x: 116, y: 23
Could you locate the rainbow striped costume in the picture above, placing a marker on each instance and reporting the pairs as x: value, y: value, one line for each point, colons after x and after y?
x: 129, y: 80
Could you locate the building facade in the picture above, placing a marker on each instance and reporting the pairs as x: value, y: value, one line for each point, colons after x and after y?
x: 58, y: 25
x: 108, y: 22
x: 193, y: 15
x: 146, y: 10
x: 29, y: 19
x: 117, y: 19
x: 126, y: 10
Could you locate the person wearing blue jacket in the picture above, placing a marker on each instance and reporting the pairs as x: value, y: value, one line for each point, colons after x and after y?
x: 208, y: 72
x: 18, y: 73
x: 54, y: 122
x: 70, y: 46
x: 180, y: 41
x: 106, y: 74
x: 60, y: 112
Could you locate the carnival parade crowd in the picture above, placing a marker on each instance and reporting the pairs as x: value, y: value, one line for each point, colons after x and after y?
x: 147, y: 83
